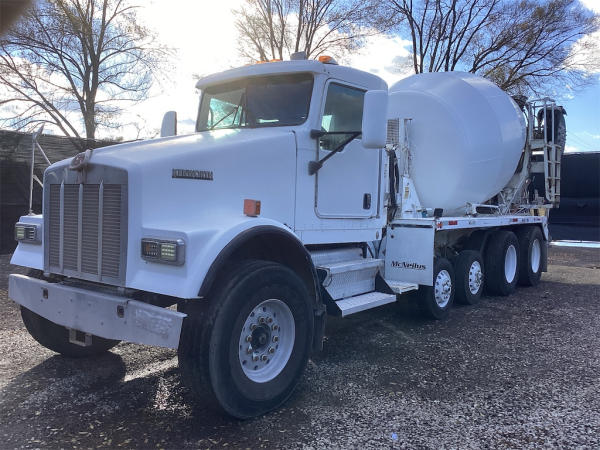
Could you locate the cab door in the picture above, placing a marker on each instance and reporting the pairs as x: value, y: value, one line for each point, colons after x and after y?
x: 347, y: 186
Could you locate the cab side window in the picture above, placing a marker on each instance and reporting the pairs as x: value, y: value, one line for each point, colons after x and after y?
x: 343, y: 112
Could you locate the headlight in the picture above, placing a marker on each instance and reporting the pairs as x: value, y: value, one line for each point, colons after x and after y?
x: 163, y: 251
x: 25, y: 232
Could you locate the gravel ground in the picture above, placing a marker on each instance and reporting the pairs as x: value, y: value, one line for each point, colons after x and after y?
x: 522, y: 371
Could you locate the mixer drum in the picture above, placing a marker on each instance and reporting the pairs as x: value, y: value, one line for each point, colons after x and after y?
x: 466, y: 136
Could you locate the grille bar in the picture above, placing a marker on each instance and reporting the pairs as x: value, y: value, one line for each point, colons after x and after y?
x: 62, y: 226
x: 54, y: 226
x: 79, y: 225
x: 100, y: 214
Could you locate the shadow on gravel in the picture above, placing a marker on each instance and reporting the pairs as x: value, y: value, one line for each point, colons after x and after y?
x: 59, y: 380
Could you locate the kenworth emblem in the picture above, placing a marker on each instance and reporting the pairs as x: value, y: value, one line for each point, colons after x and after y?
x: 80, y: 160
x: 193, y: 174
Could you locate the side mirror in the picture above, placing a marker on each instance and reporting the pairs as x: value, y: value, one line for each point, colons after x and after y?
x: 169, y: 124
x: 374, y: 123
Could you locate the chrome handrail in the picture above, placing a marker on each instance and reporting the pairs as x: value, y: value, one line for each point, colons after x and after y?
x: 33, y: 176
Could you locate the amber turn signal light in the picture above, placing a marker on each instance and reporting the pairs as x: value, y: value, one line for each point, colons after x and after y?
x: 251, y: 207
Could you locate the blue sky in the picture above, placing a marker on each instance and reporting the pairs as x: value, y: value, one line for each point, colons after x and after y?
x: 583, y: 119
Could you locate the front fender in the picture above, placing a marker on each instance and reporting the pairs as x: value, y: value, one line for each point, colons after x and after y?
x: 30, y: 254
x: 203, y: 246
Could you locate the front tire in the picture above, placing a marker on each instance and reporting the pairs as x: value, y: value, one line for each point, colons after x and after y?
x: 502, y: 263
x: 437, y: 300
x: 248, y: 348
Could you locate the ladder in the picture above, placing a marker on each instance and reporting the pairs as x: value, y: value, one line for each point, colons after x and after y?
x: 542, y: 142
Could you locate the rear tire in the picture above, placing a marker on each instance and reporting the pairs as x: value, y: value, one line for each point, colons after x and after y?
x: 502, y: 263
x: 469, y: 274
x: 246, y: 350
x: 531, y: 254
x: 436, y: 300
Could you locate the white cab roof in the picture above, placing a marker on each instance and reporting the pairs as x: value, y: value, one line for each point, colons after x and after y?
x: 348, y: 74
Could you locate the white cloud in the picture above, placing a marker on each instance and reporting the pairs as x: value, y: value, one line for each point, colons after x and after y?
x: 384, y: 56
x: 583, y: 54
x: 593, y: 5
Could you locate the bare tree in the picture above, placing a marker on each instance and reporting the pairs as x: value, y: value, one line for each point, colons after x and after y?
x: 272, y: 29
x: 532, y: 45
x: 73, y: 63
x: 521, y: 45
x: 263, y: 28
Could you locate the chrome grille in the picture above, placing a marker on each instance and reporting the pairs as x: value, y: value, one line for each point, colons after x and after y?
x: 86, y: 231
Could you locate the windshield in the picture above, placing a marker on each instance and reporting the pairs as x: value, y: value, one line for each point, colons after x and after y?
x: 271, y: 101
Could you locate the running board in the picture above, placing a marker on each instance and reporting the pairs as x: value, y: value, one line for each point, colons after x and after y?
x: 351, y: 305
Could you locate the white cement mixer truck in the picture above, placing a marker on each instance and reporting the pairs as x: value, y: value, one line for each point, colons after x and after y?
x: 307, y: 189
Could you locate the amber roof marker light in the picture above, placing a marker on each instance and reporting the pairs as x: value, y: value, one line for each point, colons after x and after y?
x: 326, y: 59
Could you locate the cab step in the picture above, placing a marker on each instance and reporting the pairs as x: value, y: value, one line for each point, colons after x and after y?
x: 400, y: 287
x: 363, y: 302
x: 352, y: 277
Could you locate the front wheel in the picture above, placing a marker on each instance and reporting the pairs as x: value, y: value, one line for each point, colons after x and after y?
x: 249, y: 347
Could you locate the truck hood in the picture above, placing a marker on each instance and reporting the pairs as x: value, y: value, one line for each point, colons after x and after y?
x: 170, y: 149
x: 178, y: 182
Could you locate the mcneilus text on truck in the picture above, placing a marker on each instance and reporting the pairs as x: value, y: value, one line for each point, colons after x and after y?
x: 307, y: 189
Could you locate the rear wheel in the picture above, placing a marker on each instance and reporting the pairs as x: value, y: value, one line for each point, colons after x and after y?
x: 502, y: 263
x: 468, y: 268
x: 436, y: 300
x: 530, y: 259
x: 248, y: 348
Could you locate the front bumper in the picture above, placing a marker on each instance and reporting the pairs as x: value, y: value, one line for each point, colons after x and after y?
x: 105, y: 315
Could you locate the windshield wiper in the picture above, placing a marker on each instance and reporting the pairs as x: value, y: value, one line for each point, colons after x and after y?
x: 235, y: 110
x: 314, y: 166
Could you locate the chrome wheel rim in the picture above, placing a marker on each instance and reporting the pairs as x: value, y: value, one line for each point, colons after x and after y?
x: 266, y: 340
x: 475, y: 277
x: 536, y: 256
x: 443, y: 288
x: 510, y: 263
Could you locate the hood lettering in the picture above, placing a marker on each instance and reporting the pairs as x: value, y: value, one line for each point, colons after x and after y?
x: 193, y: 174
